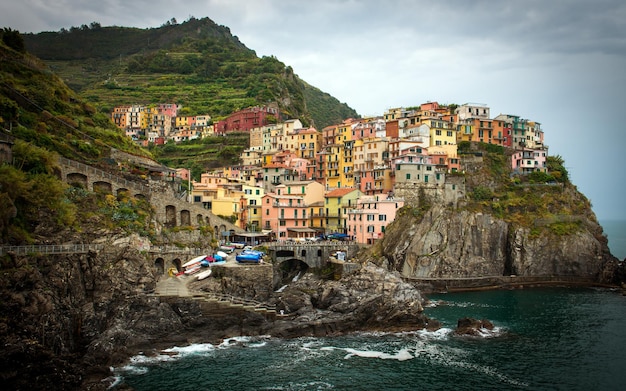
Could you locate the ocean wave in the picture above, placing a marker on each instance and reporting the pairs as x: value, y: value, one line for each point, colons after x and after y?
x: 190, y: 349
x: 401, y: 355
x: 438, y: 335
x: 312, y: 385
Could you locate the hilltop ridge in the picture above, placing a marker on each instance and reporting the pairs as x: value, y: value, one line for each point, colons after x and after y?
x: 197, y: 63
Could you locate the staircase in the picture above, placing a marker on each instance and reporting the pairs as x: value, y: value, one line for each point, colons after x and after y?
x: 212, y: 304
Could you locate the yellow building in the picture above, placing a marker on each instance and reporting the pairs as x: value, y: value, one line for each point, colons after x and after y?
x: 443, y: 137
x: 250, y: 209
x: 337, y: 203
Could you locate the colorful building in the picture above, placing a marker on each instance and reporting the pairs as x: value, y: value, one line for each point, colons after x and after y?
x: 367, y: 221
x: 336, y: 205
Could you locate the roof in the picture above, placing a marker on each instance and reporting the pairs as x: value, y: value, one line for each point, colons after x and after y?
x: 340, y: 192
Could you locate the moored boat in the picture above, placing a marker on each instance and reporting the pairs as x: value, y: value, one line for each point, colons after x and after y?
x: 194, y: 260
x: 204, y: 274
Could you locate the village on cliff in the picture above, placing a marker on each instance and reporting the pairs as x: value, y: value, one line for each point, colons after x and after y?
x: 346, y: 181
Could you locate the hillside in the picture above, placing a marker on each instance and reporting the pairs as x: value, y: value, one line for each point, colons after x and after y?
x: 198, y: 64
x: 40, y: 109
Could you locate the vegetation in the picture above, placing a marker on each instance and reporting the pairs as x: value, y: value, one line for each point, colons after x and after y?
x: 524, y: 199
x: 198, y: 64
x: 204, y: 154
x: 46, y: 120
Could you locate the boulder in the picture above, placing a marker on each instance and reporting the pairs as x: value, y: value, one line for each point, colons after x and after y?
x: 471, y: 326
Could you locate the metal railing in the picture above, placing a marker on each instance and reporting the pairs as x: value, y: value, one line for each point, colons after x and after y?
x: 84, y: 248
x: 51, y: 249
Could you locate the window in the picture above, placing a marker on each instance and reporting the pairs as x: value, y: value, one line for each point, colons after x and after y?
x: 408, y: 176
x: 382, y: 217
x: 370, y: 228
x: 258, y: 192
x: 438, y: 132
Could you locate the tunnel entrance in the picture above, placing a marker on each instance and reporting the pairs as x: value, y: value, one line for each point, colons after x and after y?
x: 290, y: 271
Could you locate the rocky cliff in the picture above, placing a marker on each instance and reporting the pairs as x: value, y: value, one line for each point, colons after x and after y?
x: 451, y: 244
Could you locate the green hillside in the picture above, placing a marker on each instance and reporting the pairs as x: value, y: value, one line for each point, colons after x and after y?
x: 198, y: 64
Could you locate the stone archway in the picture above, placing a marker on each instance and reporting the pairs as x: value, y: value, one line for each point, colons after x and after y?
x: 185, y: 218
x: 177, y: 264
x: 122, y: 193
x: 159, y: 265
x: 77, y: 179
x: 102, y: 187
x: 170, y: 216
x: 289, y: 271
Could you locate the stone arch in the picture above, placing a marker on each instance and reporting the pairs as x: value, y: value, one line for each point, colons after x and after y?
x: 103, y: 187
x: 122, y: 193
x: 199, y: 219
x: 140, y: 196
x: 177, y: 263
x: 170, y: 216
x: 77, y: 179
x: 159, y: 265
x: 185, y: 217
x: 287, y: 270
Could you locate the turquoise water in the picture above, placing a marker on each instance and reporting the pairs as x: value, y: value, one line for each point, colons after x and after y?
x: 545, y: 339
x: 615, y: 230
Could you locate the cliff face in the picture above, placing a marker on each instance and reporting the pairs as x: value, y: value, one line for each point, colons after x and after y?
x: 447, y: 243
x: 66, y: 318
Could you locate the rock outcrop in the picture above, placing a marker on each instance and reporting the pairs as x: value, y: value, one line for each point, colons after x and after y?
x: 370, y: 299
x: 460, y: 244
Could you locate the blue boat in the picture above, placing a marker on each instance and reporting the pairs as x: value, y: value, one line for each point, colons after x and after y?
x: 249, y: 257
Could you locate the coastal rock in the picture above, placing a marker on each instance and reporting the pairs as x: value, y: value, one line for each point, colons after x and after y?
x: 370, y: 299
x: 459, y: 244
x: 473, y: 327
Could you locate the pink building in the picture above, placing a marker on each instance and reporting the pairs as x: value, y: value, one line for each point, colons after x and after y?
x: 286, y: 216
x: 367, y: 222
x: 528, y: 160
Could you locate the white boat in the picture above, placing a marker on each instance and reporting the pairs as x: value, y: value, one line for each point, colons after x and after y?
x: 222, y: 254
x: 193, y: 270
x: 204, y: 274
x: 195, y: 260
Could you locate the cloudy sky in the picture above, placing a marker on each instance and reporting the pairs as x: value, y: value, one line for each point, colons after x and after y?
x: 560, y: 62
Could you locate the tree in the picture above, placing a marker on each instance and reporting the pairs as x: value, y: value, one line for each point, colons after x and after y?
x: 13, y: 39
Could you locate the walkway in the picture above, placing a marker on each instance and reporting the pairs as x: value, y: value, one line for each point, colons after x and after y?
x: 172, y: 286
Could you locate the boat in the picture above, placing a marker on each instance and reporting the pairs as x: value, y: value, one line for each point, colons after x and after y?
x: 192, y: 270
x: 228, y: 249
x: 204, y: 274
x: 195, y: 260
x: 222, y: 254
x: 249, y: 257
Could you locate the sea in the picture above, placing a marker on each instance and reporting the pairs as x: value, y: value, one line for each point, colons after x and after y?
x: 557, y: 338
x: 615, y: 230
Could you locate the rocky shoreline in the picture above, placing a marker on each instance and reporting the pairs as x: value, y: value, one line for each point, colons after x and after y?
x: 68, y: 318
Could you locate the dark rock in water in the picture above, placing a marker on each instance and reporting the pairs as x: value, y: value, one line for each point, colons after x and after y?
x: 471, y: 326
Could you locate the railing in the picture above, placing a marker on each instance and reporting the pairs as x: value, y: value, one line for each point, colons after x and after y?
x: 89, y: 169
x: 84, y: 248
x: 175, y: 249
x: 51, y: 249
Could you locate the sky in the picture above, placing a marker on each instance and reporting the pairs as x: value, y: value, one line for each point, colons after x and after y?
x: 561, y: 62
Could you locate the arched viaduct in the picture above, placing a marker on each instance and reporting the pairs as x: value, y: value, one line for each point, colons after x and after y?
x: 170, y: 210
x: 314, y: 255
